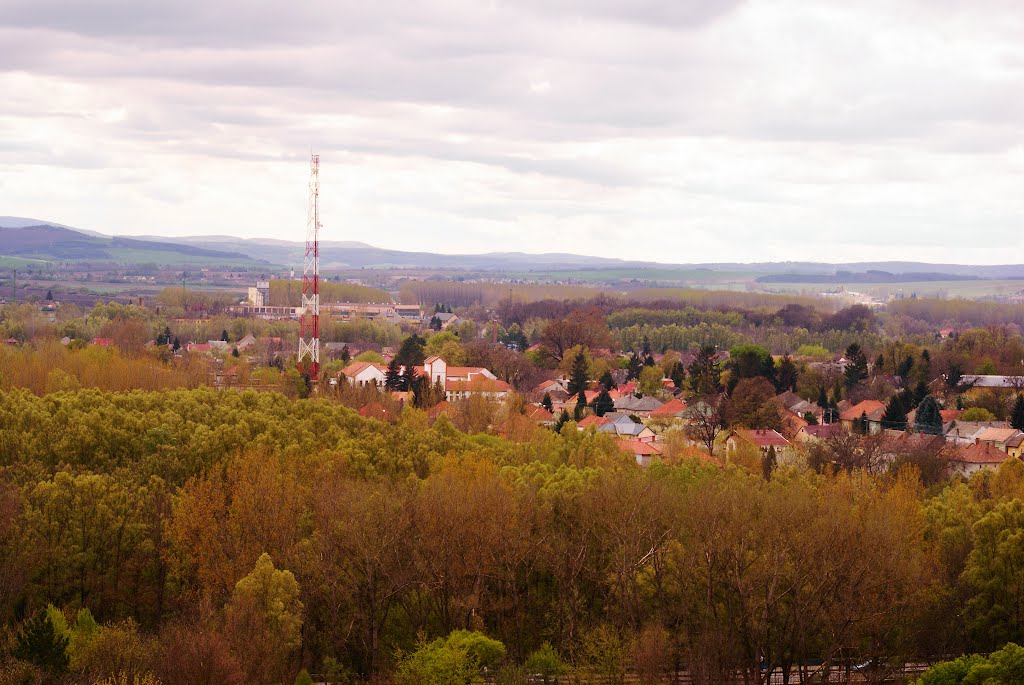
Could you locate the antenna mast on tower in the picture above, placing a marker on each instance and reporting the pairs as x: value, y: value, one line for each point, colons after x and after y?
x: 309, y: 321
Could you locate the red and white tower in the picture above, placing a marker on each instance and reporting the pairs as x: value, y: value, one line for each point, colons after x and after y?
x: 309, y: 321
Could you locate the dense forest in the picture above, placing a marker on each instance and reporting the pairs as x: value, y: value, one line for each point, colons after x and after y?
x: 201, y: 536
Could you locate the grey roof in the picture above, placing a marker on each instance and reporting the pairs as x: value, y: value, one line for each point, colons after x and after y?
x: 985, y: 381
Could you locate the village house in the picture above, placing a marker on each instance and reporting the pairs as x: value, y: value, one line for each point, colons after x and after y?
x: 870, y: 411
x: 763, y: 439
x: 1015, y: 446
x: 811, y: 433
x: 968, y: 432
x: 458, y: 382
x: 997, y: 437
x: 976, y: 457
x: 638, y: 406
x: 643, y: 452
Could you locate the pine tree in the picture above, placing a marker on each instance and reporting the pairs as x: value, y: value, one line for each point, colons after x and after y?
x: 346, y: 355
x: 234, y: 352
x: 581, y: 406
x: 929, y: 419
x: 393, y: 376
x: 49, y: 296
x: 603, y: 403
x: 645, y: 347
x: 857, y: 369
x: 546, y: 402
x: 822, y: 398
x: 224, y: 335
x: 705, y: 374
x: 411, y: 352
x: 563, y: 419
x: 769, y: 462
x: 787, y: 375
x: 409, y: 378
x: 678, y: 375
x: 895, y: 416
x: 177, y: 344
x: 578, y: 376
x: 634, y: 368
x: 1017, y: 417
x: 39, y: 643
x: 607, y: 381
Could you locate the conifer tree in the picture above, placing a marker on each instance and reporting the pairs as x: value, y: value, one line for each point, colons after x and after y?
x: 39, y: 643
x: 546, y: 402
x: 857, y: 369
x: 769, y: 462
x: 581, y: 406
x: 928, y: 419
x: 578, y: 377
x: 603, y: 403
x: 895, y: 416
x: 393, y: 376
x: 1017, y: 417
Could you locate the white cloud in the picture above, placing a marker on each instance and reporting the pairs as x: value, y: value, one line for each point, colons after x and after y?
x: 686, y: 131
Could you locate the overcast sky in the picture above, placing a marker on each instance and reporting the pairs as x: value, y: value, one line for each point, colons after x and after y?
x: 671, y: 130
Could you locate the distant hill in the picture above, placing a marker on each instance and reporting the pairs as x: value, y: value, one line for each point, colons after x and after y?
x: 19, y: 238
x: 33, y: 239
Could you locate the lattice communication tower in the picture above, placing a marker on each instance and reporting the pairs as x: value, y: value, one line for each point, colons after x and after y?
x: 309, y: 321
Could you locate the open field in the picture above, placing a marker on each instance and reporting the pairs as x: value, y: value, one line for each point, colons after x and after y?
x: 980, y: 289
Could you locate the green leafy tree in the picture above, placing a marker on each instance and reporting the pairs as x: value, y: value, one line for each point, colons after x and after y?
x: 303, y: 678
x: 265, y: 619
x: 750, y: 361
x: 546, y: 663
x: 1001, y: 667
x: 455, y: 660
x: 995, y: 611
x: 978, y: 414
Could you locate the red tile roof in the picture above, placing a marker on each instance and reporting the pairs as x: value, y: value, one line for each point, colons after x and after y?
x: 867, y: 407
x: 538, y: 413
x: 981, y: 453
x: 636, y: 447
x: 670, y: 408
x: 592, y: 420
x: 764, y: 437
